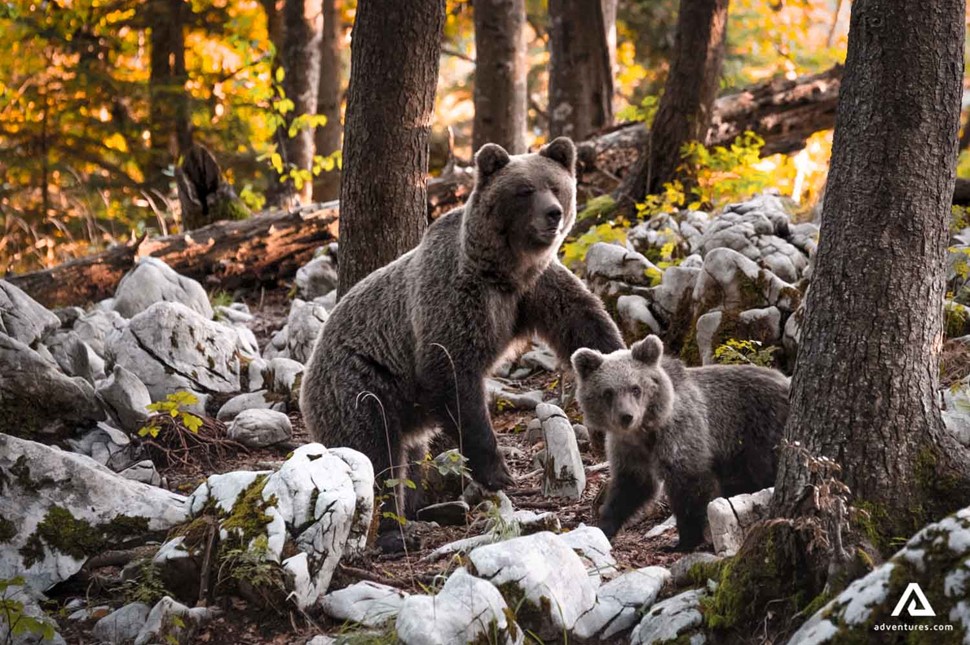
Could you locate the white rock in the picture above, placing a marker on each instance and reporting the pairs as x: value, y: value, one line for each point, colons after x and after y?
x: 88, y: 491
x: 367, y: 603
x: 255, y: 372
x: 634, y: 316
x: 106, y: 445
x: 37, y: 396
x: 22, y: 317
x: 257, y: 428
x: 591, y: 544
x: 362, y: 477
x: 613, y: 262
x: 304, y: 323
x: 316, y: 278
x: 75, y: 357
x: 542, y: 572
x: 540, y: 357
x: 670, y: 619
x: 500, y: 395
x: 153, y: 281
x: 563, y: 472
x: 619, y: 603
x: 283, y: 375
x: 125, y: 398
x: 144, y: 472
x: 674, y: 294
x: 170, y: 347
x: 122, y: 625
x: 731, y: 518
x: 667, y: 525
x: 30, y: 601
x: 261, y: 400
x: 160, y: 626
x: 466, y: 610
x: 95, y: 326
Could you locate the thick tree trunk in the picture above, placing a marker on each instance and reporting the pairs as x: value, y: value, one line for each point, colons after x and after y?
x: 326, y: 186
x: 500, y: 75
x: 865, y: 384
x: 580, y: 68
x: 390, y: 102
x: 300, y: 58
x: 169, y: 119
x: 686, y: 107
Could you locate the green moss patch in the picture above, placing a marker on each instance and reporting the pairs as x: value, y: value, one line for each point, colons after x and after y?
x: 61, y: 531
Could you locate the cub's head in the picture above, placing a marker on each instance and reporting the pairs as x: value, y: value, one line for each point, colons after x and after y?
x: 523, y: 203
x: 625, y: 391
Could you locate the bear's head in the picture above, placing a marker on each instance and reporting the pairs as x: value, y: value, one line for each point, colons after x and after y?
x: 522, y: 206
x: 627, y: 391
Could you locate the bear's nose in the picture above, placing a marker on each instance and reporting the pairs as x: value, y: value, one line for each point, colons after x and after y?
x: 626, y: 420
x: 554, y: 214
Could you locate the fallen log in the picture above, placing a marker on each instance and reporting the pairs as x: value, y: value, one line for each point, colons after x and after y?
x: 224, y: 255
x: 272, y: 246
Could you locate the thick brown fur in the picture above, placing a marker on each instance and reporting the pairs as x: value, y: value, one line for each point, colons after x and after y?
x: 405, y: 352
x: 703, y: 431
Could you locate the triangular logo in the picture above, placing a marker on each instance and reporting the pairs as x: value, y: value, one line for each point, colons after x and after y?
x: 918, y: 607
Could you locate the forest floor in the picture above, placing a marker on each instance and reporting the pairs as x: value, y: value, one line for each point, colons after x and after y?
x: 243, y: 622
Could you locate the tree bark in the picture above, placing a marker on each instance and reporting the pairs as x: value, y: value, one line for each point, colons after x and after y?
x: 326, y: 186
x: 169, y: 117
x: 580, y: 68
x: 865, y: 384
x: 500, y: 75
x: 300, y: 58
x: 686, y: 107
x: 390, y: 102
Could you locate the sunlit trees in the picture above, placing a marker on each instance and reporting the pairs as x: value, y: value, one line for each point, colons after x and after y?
x: 500, y: 74
x: 684, y: 113
x: 393, y: 75
x: 580, y: 67
x: 328, y: 137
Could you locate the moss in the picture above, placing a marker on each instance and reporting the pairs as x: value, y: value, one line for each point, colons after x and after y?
x: 700, y: 572
x: 954, y: 320
x: 230, y: 209
x: 770, y: 569
x: 61, y: 531
x: 248, y: 517
x: 598, y: 208
x: 7, y: 530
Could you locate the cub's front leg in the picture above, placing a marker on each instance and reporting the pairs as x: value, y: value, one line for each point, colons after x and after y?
x: 632, y: 486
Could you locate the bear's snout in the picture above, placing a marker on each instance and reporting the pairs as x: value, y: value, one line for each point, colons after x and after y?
x: 626, y: 419
x: 554, y: 215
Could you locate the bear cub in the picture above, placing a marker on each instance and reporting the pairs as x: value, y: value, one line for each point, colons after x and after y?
x: 702, y: 431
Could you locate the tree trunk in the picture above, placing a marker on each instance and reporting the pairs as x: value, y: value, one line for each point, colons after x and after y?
x: 500, y: 75
x: 300, y: 58
x: 390, y: 103
x: 865, y: 385
x: 580, y: 68
x: 326, y: 186
x: 686, y: 106
x: 169, y: 118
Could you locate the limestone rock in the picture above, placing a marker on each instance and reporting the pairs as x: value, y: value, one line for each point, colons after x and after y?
x: 51, y: 493
x: 22, y: 317
x: 257, y: 428
x: 542, y: 576
x: 153, y: 281
x: 564, y: 474
x: 730, y: 518
x: 466, y: 610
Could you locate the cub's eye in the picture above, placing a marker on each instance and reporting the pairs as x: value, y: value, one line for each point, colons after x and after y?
x: 608, y: 395
x: 637, y: 392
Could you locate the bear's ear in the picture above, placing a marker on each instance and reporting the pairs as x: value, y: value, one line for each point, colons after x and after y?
x: 490, y: 158
x: 561, y: 150
x: 648, y: 351
x: 586, y: 361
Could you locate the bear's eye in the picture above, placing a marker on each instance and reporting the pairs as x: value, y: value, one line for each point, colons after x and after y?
x: 608, y: 395
x: 524, y: 191
x: 637, y: 392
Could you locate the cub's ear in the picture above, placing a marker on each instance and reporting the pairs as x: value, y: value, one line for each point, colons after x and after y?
x: 586, y: 361
x: 648, y: 351
x: 561, y: 150
x: 490, y: 158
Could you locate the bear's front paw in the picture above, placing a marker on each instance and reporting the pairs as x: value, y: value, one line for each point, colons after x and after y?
x: 493, y: 475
